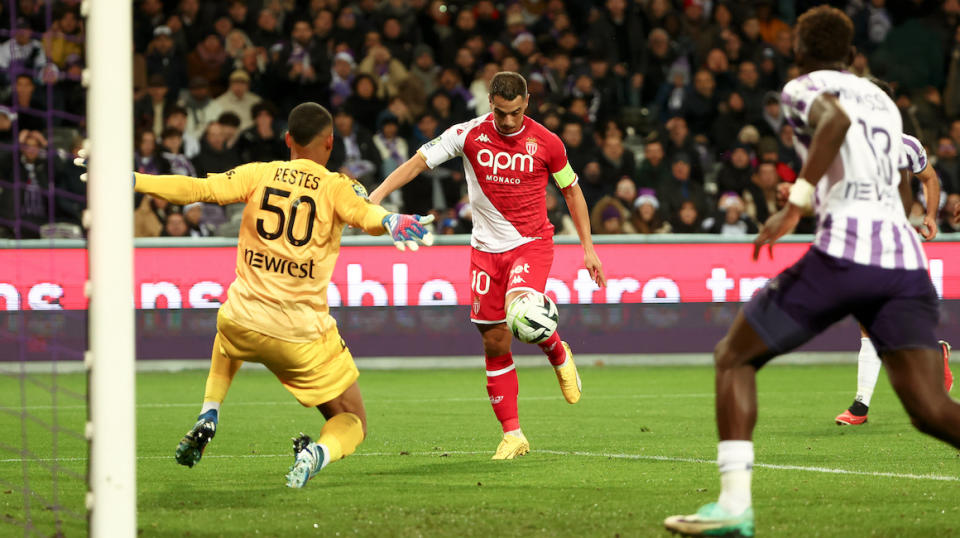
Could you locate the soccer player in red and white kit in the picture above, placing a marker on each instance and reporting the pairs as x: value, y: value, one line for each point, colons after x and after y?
x: 508, y: 159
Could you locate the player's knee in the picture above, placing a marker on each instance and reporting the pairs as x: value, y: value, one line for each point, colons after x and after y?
x: 723, y: 356
x: 496, y: 341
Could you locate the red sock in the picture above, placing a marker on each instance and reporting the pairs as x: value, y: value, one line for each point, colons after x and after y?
x: 503, y: 389
x: 554, y: 350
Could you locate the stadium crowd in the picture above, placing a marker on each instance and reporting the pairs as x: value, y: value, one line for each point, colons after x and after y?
x: 669, y: 109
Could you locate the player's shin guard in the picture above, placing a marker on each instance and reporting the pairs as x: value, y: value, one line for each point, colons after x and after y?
x: 554, y: 351
x: 340, y: 436
x: 502, y: 387
x: 220, y: 377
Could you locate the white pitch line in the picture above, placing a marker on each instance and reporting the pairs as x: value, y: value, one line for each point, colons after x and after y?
x: 642, y: 457
x: 425, y: 400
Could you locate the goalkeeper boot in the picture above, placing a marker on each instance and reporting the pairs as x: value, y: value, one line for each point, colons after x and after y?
x: 308, y: 462
x: 512, y: 445
x: 191, y: 447
x: 855, y: 415
x: 712, y: 520
x: 947, y: 374
x: 568, y: 377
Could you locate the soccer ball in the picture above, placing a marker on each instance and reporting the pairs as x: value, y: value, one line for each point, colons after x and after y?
x: 532, y: 317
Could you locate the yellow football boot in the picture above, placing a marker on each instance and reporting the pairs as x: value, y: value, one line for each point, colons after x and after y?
x: 512, y: 446
x: 568, y: 377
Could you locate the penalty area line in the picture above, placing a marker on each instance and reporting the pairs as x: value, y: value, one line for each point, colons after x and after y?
x: 639, y: 457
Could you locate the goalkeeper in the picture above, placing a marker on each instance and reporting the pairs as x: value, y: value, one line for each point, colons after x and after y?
x: 276, y: 311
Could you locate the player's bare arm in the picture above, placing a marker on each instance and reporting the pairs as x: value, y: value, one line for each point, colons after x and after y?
x: 931, y: 193
x: 581, y: 220
x: 830, y: 124
x: 404, y: 174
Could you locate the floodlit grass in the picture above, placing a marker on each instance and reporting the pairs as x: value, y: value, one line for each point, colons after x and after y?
x: 638, y: 447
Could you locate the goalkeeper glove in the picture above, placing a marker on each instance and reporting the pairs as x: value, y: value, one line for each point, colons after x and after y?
x: 404, y: 229
x: 81, y: 161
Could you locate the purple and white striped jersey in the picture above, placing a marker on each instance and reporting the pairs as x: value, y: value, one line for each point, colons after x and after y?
x: 860, y: 216
x: 914, y: 157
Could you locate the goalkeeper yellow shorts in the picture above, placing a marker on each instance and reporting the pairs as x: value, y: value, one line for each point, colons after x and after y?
x: 314, y: 372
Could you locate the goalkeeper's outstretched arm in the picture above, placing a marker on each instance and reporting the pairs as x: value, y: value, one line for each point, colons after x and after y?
x: 226, y: 188
x: 404, y: 174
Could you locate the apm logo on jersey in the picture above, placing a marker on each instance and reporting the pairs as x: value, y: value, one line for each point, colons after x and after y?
x: 501, y: 160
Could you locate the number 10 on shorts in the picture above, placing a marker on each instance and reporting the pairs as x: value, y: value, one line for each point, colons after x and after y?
x: 479, y: 282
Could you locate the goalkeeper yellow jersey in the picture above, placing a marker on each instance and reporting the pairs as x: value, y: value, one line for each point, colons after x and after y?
x: 289, y: 238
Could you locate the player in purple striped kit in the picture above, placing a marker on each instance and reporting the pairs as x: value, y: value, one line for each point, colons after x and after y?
x: 866, y: 261
x: 914, y: 160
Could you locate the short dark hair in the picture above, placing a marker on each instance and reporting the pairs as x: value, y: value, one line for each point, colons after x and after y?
x: 171, y: 131
x: 826, y: 34
x: 508, y: 85
x: 307, y: 121
x: 229, y: 119
x: 263, y: 106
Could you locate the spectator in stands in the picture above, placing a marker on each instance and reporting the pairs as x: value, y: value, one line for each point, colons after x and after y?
x: 267, y: 32
x: 193, y: 219
x: 772, y: 118
x: 148, y: 110
x: 147, y: 16
x: 761, y: 196
x: 424, y: 68
x: 681, y: 188
x: 175, y: 117
x: 171, y: 141
x: 686, y: 220
x: 731, y: 119
x: 200, y: 108
x: 948, y: 165
x: 700, y: 103
x: 645, y: 216
x: 209, y: 61
x: 388, y: 71
x: 341, y: 79
x: 617, y: 35
x: 23, y: 51
x: 175, y: 226
x: 163, y: 60
x: 147, y: 155
x: 238, y: 98
x: 262, y: 142
x: 730, y: 218
x: 304, y: 68
x: 64, y: 38
x: 578, y: 152
x: 236, y: 45
x: 24, y: 203
x: 364, y: 102
x: 654, y: 170
x: 660, y: 57
x: 679, y: 140
x: 354, y: 152
x: 615, y: 162
x: 736, y: 173
x: 25, y: 96
x: 609, y: 216
x: 947, y: 223
x: 749, y: 89
x: 215, y: 155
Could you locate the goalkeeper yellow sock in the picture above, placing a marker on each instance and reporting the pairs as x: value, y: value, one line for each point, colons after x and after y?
x: 340, y: 436
x: 220, y: 377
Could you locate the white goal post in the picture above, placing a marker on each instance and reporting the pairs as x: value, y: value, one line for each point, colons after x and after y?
x: 112, y: 494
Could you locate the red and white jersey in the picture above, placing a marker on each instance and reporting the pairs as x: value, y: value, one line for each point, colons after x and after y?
x: 506, y: 178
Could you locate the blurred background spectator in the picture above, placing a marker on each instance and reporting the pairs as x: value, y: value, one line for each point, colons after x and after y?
x: 669, y: 109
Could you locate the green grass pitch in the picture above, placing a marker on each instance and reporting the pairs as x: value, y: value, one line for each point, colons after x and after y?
x: 638, y: 447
